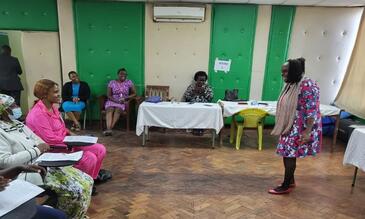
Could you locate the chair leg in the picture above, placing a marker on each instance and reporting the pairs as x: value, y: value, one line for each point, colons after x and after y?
x: 233, y: 132
x: 84, y: 119
x: 101, y: 123
x: 239, y: 136
x: 259, y: 136
x: 128, y: 123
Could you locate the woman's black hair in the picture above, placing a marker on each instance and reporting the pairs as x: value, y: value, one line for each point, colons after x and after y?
x: 200, y: 73
x: 122, y: 69
x: 296, y: 70
x: 71, y: 72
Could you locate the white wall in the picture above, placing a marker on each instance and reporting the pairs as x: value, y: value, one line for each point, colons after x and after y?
x: 260, y: 51
x: 325, y: 37
x: 41, y: 54
x: 67, y: 37
x: 175, y: 51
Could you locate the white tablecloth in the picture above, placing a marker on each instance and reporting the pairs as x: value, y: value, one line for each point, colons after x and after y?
x: 355, y: 150
x: 179, y: 116
x: 231, y: 108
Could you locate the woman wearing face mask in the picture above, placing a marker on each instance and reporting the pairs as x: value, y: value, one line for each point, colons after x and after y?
x: 298, y: 121
x: 16, y: 112
x: 119, y: 91
x: 74, y: 96
x: 45, y: 121
x: 20, y: 146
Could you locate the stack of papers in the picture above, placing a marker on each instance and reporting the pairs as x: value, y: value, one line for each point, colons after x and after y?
x: 17, y: 193
x: 80, y: 139
x: 60, y: 157
x: 357, y: 126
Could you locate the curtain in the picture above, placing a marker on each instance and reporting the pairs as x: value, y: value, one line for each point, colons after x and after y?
x: 351, y: 96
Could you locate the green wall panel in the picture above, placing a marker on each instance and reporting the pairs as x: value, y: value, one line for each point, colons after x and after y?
x: 282, y: 18
x: 233, y: 35
x: 109, y: 35
x: 29, y: 15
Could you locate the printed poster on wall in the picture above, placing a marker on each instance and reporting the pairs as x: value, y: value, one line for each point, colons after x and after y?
x: 222, y: 65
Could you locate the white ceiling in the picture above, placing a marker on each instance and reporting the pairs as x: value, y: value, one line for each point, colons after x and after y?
x: 338, y: 3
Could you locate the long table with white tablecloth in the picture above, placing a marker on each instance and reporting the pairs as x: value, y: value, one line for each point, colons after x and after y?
x: 231, y: 108
x: 355, y: 151
x: 179, y: 115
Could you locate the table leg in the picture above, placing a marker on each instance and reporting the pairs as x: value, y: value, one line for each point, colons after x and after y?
x: 337, y: 124
x: 220, y: 138
x: 148, y: 133
x: 144, y: 136
x: 354, y: 178
x: 213, y: 138
x: 221, y: 134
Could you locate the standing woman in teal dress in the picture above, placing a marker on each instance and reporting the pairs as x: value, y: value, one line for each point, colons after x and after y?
x: 74, y: 96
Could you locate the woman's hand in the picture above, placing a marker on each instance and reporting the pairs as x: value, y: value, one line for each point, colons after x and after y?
x: 3, y: 183
x: 198, y: 90
x: 13, y: 172
x: 305, y: 136
x: 43, y: 147
x: 75, y: 99
x: 34, y: 169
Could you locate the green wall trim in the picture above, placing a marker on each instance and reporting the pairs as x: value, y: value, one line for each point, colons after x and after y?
x: 109, y: 36
x: 282, y: 18
x: 232, y: 37
x: 29, y: 15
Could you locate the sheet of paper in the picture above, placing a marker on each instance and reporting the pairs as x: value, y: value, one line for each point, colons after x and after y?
x: 222, y: 65
x: 80, y: 138
x: 357, y: 126
x: 17, y: 193
x: 60, y: 156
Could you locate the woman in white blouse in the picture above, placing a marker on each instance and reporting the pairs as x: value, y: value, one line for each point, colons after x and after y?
x: 19, y: 146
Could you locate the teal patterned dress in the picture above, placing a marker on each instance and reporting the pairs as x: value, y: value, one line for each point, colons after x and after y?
x: 73, y: 188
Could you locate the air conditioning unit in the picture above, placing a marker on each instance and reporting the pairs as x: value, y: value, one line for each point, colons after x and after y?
x: 162, y: 13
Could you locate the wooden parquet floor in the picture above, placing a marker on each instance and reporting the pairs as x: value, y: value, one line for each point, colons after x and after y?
x: 177, y: 175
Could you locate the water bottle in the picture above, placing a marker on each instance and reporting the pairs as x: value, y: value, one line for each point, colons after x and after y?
x: 254, y: 103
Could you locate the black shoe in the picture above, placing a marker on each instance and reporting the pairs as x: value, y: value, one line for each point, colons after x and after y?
x: 103, y: 176
x: 94, y: 192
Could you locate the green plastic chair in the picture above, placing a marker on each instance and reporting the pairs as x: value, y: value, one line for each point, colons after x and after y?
x: 252, y: 118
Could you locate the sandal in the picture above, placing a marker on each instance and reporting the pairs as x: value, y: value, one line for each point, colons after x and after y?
x: 291, y: 185
x: 280, y: 190
x: 77, y: 128
x: 108, y: 133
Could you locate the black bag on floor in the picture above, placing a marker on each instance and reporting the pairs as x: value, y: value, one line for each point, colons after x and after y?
x: 231, y: 95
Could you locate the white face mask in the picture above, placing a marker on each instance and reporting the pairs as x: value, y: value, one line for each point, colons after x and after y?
x: 17, y: 113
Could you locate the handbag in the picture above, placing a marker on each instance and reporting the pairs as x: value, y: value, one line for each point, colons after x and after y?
x: 153, y: 99
x: 231, y: 95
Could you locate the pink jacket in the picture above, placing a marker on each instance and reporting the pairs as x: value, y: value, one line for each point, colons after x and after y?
x: 47, y: 125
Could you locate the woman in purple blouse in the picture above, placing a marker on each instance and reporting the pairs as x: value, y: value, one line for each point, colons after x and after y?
x: 119, y: 91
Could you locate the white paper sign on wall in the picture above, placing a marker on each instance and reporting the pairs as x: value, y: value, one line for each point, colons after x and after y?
x: 222, y: 65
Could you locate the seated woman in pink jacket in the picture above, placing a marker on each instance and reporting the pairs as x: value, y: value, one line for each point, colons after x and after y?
x: 45, y: 120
